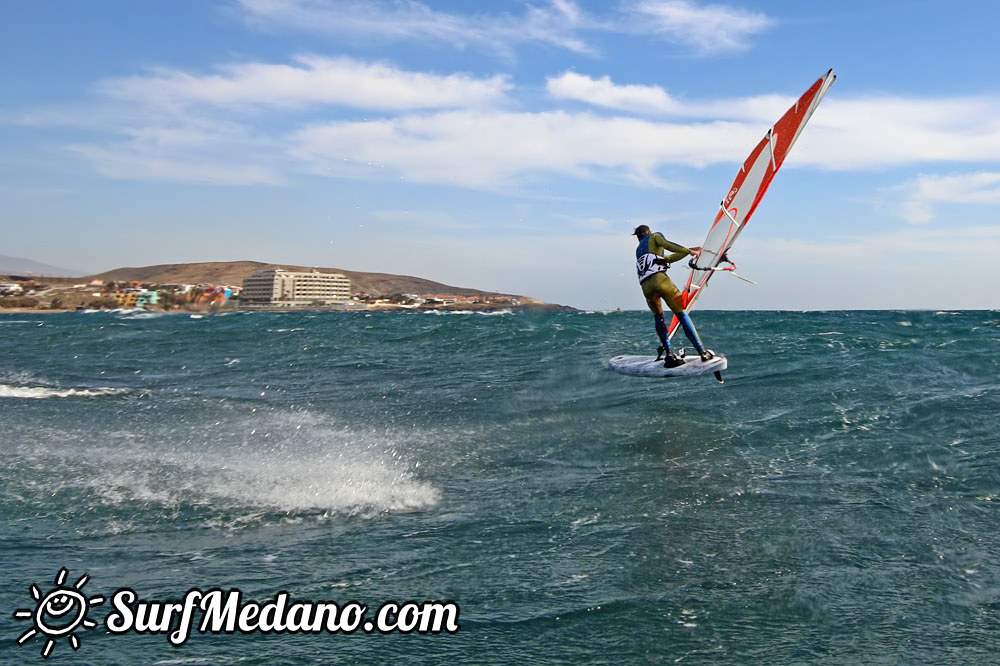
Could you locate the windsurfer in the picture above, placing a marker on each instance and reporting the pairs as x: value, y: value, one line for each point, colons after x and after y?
x: 651, y: 266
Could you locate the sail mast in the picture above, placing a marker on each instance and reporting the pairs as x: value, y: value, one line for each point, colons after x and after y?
x: 747, y: 190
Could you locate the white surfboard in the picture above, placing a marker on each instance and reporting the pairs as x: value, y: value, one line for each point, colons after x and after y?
x: 648, y: 366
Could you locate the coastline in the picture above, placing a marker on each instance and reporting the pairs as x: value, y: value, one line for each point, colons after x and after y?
x: 208, y: 309
x: 198, y: 294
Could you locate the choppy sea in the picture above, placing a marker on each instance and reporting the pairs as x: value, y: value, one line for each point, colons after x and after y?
x: 837, y: 500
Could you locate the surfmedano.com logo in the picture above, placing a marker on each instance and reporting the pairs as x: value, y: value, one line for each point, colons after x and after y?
x: 61, y: 611
x: 58, y: 613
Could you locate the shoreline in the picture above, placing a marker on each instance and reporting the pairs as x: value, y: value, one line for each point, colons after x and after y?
x: 532, y: 307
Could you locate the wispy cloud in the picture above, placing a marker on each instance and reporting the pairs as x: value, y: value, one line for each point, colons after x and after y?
x: 914, y: 200
x: 554, y: 24
x: 563, y: 24
x: 493, y: 149
x: 457, y: 129
x: 135, y: 162
x: 652, y: 99
x: 311, y: 81
x: 708, y: 28
x: 867, y: 133
x: 982, y: 187
x: 886, y: 246
x: 869, y: 270
x: 477, y: 149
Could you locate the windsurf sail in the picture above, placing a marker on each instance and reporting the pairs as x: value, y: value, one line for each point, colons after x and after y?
x: 746, y: 192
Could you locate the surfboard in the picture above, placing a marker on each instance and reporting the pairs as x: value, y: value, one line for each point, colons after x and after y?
x: 649, y: 366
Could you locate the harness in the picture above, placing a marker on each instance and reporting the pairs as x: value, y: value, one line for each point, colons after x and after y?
x: 648, y: 264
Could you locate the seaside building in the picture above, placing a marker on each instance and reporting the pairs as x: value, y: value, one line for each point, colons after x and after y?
x: 276, y: 286
x: 146, y: 298
x: 126, y: 299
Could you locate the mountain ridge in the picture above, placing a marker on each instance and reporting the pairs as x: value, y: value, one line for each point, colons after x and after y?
x: 234, y: 272
x: 20, y: 266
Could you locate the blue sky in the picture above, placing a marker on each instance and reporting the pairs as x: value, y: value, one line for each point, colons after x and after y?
x: 509, y: 146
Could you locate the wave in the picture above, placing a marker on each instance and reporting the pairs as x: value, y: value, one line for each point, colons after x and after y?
x: 125, y: 313
x: 138, y: 314
x: 467, y: 313
x: 231, y: 473
x: 41, y: 392
x: 233, y: 492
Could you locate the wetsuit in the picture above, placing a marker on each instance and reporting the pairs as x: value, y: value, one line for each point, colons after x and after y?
x: 656, y: 285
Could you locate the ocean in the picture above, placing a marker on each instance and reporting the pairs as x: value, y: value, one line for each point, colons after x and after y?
x: 836, y: 500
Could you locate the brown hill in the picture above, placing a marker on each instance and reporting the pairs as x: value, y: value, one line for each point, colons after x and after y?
x: 233, y: 273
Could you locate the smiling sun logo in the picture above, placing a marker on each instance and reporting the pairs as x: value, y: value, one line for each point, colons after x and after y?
x: 58, y: 613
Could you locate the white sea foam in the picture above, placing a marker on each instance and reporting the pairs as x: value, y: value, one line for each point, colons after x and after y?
x: 239, y: 472
x: 138, y: 313
x: 332, y: 485
x: 481, y: 313
x: 116, y: 311
x: 41, y: 392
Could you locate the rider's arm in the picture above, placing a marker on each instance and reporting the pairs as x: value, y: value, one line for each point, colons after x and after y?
x: 658, y: 244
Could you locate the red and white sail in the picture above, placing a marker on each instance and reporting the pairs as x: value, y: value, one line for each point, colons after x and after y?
x: 747, y: 190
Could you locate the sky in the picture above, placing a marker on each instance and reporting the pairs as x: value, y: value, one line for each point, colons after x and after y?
x: 509, y: 146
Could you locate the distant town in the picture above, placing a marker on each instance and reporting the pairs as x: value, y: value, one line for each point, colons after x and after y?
x: 265, y: 289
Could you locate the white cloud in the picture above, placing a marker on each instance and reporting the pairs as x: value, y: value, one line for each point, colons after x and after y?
x: 407, y: 20
x: 845, y: 134
x: 459, y: 130
x: 891, y: 131
x: 492, y: 150
x: 913, y: 211
x: 981, y: 187
x: 488, y: 148
x: 708, y: 28
x: 913, y: 200
x: 312, y: 81
x: 886, y: 247
x: 602, y: 92
x: 605, y: 93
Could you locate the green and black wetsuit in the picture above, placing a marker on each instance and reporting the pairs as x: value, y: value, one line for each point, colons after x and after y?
x: 656, y: 285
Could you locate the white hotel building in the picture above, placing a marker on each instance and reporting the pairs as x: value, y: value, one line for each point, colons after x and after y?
x: 275, y: 286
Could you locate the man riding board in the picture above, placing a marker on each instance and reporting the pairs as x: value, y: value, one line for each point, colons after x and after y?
x: 651, y: 266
